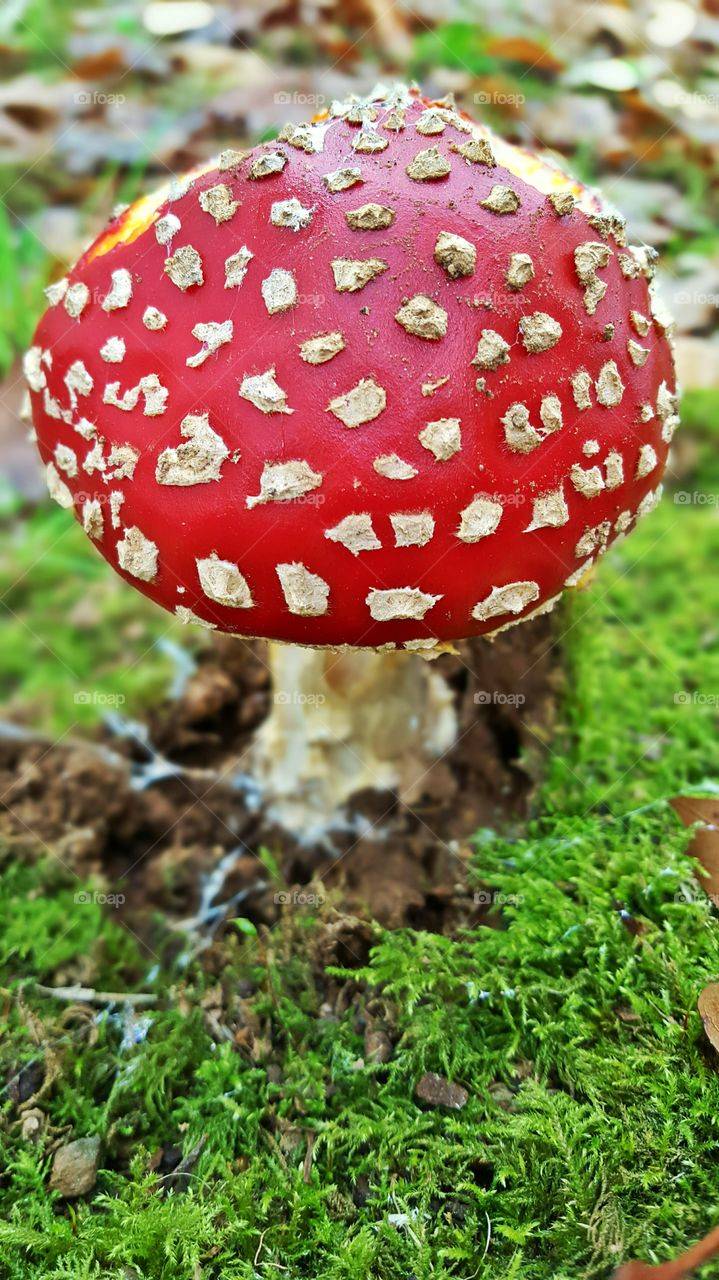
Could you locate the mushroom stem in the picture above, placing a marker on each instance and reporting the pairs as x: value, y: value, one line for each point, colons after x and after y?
x: 342, y: 723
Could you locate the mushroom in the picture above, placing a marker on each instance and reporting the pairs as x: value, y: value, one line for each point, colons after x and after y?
x: 361, y: 391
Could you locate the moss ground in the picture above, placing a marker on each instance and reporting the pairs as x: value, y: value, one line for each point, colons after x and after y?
x: 591, y: 1130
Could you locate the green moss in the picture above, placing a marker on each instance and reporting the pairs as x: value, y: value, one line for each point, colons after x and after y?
x: 76, y: 641
x: 642, y: 669
x: 23, y: 261
x: 47, y: 920
x: 700, y: 420
x: 590, y: 1129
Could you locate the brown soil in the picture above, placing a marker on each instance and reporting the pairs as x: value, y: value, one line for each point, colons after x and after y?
x: 166, y: 817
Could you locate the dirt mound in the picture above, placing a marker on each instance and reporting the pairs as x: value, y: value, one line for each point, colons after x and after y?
x: 165, y: 814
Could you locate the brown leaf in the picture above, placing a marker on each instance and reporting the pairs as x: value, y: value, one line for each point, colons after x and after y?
x: 97, y: 66
x: 676, y: 1270
x: 708, y: 1006
x: 691, y: 809
x: 528, y: 52
x: 705, y: 842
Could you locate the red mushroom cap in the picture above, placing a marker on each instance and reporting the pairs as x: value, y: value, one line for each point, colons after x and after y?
x: 385, y: 381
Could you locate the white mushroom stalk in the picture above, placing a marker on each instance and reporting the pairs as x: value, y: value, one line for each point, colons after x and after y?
x: 344, y: 723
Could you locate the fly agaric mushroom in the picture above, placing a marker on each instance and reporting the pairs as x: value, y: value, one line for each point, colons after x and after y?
x: 384, y: 382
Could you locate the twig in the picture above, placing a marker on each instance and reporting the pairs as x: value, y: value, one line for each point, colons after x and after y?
x: 91, y: 996
x: 489, y: 1235
x: 259, y: 1247
x: 307, y: 1166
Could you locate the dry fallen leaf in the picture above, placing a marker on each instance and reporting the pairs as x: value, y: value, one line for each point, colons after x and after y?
x: 708, y: 1006
x: 529, y: 52
x: 100, y: 64
x: 676, y: 1270
x: 705, y: 842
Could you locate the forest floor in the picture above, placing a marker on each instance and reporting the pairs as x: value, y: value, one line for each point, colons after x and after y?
x: 475, y: 1050
x: 516, y: 1075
